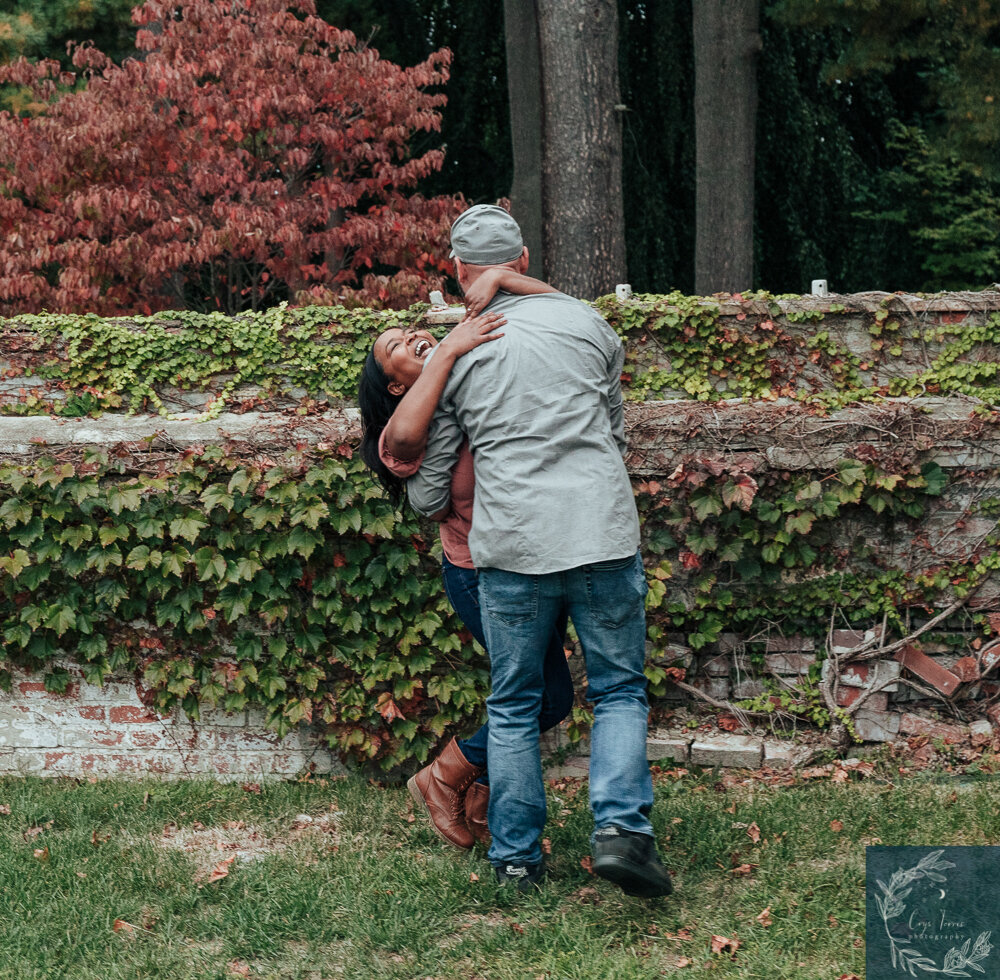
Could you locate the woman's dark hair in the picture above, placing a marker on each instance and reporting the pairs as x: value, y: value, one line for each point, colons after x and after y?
x: 377, y: 404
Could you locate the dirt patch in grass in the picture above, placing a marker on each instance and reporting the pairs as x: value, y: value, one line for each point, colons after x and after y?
x: 237, y: 840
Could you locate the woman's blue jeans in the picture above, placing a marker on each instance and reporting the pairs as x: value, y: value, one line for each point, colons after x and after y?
x: 606, y: 602
x: 462, y: 588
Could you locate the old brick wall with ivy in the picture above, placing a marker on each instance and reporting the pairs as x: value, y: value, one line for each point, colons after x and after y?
x: 181, y: 508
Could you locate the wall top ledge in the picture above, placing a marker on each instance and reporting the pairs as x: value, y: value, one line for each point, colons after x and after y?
x: 728, y: 304
x: 26, y: 437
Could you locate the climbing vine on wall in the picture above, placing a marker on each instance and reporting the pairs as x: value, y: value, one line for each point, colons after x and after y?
x: 226, y: 578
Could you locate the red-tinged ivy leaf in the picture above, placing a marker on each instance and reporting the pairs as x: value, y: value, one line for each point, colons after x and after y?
x: 221, y: 870
x: 753, y: 832
x: 725, y: 944
x: 740, y: 493
x: 690, y: 560
x: 765, y: 917
x: 388, y: 708
x: 729, y: 723
x: 675, y: 674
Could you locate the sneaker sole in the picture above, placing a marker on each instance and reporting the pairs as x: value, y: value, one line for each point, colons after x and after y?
x: 418, y: 797
x: 630, y: 878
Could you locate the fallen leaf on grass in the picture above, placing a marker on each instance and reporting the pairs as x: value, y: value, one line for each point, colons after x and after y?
x: 587, y: 863
x: 840, y: 776
x: 836, y: 826
x: 587, y: 896
x: 546, y: 845
x: 120, y: 925
x: 753, y: 832
x: 251, y: 787
x: 97, y: 840
x: 518, y: 928
x: 744, y: 869
x: 238, y: 968
x: 848, y: 976
x: 473, y: 876
x: 4, y: 809
x: 681, y: 962
x: 41, y: 854
x: 33, y: 832
x: 723, y: 944
x: 221, y: 870
x: 833, y: 922
x: 765, y: 917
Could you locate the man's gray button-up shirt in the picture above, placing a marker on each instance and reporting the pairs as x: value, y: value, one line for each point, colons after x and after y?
x: 542, y: 409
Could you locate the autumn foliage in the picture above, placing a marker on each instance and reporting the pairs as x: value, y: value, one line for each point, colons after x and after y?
x: 250, y: 153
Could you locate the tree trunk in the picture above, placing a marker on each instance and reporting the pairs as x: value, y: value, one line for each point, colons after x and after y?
x: 726, y: 44
x: 584, y: 228
x: 527, y: 121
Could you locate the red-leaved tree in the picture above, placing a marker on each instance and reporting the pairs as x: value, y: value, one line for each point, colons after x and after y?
x: 249, y: 153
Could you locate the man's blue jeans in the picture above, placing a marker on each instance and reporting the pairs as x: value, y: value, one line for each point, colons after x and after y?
x: 462, y: 588
x: 606, y: 602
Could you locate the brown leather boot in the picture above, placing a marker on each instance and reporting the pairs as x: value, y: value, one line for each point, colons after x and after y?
x: 477, y: 802
x: 440, y: 789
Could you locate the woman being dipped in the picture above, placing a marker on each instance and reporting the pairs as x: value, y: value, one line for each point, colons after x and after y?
x: 399, y: 392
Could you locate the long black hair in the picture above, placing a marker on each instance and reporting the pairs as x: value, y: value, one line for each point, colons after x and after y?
x: 377, y: 404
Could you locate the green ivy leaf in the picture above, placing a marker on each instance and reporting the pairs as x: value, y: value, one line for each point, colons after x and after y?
x: 216, y: 496
x: 60, y: 618
x: 800, y: 523
x: 188, y: 527
x: 15, y: 563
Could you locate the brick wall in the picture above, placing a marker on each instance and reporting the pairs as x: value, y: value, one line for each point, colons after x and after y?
x: 100, y: 731
x: 92, y: 730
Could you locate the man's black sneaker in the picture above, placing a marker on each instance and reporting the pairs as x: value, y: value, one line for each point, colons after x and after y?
x: 630, y: 861
x: 525, y: 876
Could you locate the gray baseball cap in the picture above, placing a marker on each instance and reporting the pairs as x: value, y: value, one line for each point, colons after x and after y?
x: 486, y: 235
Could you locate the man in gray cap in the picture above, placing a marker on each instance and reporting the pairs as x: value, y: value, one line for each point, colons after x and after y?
x: 554, y: 530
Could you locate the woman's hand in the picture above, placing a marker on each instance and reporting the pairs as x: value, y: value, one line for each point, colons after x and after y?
x: 473, y: 331
x: 481, y: 292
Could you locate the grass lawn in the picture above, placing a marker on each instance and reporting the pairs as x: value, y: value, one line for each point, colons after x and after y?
x: 114, y: 880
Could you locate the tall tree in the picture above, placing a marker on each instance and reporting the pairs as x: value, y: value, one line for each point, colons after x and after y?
x: 584, y: 229
x: 255, y: 153
x: 726, y: 46
x: 527, y: 124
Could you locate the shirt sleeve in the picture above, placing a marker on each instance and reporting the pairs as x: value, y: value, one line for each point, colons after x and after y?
x: 403, y: 468
x: 429, y: 489
x: 615, y: 406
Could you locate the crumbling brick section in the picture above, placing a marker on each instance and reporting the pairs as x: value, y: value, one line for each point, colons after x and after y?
x: 928, y: 670
x: 108, y: 731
